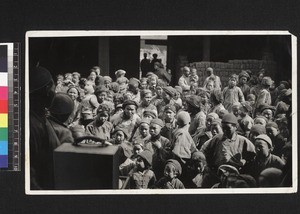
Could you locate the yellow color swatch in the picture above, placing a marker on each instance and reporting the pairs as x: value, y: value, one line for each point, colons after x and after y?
x: 3, y: 121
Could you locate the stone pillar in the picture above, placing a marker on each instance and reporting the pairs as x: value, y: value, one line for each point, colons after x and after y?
x: 103, y: 55
x: 206, y: 48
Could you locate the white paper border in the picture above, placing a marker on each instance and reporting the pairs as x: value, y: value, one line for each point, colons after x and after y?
x: 293, y: 189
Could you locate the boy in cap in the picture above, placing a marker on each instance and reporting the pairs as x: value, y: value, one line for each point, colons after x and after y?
x: 130, y: 162
x: 143, y: 134
x: 243, y: 79
x: 167, y: 96
x: 128, y: 118
x: 149, y: 114
x: 256, y: 129
x: 100, y: 127
x: 264, y: 159
x: 246, y: 121
x: 146, y: 96
x: 101, y: 94
x: 267, y: 111
x: 170, y: 122
x: 170, y: 180
x: 183, y: 144
x: 198, y: 116
x: 184, y: 80
x: 142, y: 177
x: 264, y: 96
x: 260, y: 120
x: 224, y: 172
x: 120, y: 137
x: 278, y: 140
x: 215, y: 78
x: 159, y: 146
x: 216, y: 100
x: 232, y: 93
x: 229, y: 147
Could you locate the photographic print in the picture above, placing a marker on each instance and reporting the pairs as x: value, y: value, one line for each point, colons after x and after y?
x: 160, y: 112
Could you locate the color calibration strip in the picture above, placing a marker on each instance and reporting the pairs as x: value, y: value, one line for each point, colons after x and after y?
x: 9, y: 107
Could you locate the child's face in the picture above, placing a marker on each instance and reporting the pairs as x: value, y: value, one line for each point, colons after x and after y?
x: 169, y: 115
x: 252, y: 136
x: 203, y: 98
x: 144, y: 85
x: 159, y: 91
x: 232, y: 82
x: 236, y: 110
x: 251, y: 100
x: 216, y: 129
x: 169, y: 171
x: 120, y: 137
x: 208, y: 123
x: 130, y: 110
x: 102, y: 117
x: 140, y: 163
x: 268, y: 114
x: 75, y: 79
x: 73, y: 93
x: 243, y: 112
x: 137, y: 149
x: 243, y: 80
x: 101, y: 97
x: 260, y: 121
x: 272, y: 132
x: 166, y: 96
x: 144, y: 129
x: 68, y: 77
x: 147, y: 98
x: 93, y: 76
x: 262, y: 148
x: 154, y: 130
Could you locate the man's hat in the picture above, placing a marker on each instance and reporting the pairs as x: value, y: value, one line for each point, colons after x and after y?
x: 119, y: 72
x: 265, y: 138
x: 170, y: 107
x: 130, y: 102
x: 170, y: 90
x: 157, y: 121
x: 230, y: 118
x: 39, y: 77
x: 62, y: 104
x: 147, y: 156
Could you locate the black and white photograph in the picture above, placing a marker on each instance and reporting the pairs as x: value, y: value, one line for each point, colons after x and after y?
x: 160, y: 112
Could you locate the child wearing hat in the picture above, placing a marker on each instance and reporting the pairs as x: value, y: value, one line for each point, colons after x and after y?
x: 184, y: 80
x: 232, y: 93
x: 101, y: 93
x: 246, y: 121
x: 170, y: 179
x: 159, y: 146
x: 224, y: 172
x: 198, y: 117
x: 142, y: 177
x: 183, y: 144
x: 256, y: 129
x: 260, y: 120
x: 100, y: 127
x: 168, y: 94
x: 147, y: 97
x: 264, y: 96
x: 278, y: 140
x: 270, y: 177
x: 143, y: 133
x: 268, y: 112
x: 264, y: 159
x: 216, y: 100
x: 120, y: 137
x: 243, y: 79
x: 170, y: 122
x: 130, y: 162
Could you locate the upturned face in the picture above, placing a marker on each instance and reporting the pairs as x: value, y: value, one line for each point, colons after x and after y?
x: 262, y: 148
x: 130, y: 110
x: 232, y: 82
x: 144, y: 129
x: 268, y: 114
x: 169, y: 115
x: 73, y: 93
x: 154, y: 129
x: 169, y: 171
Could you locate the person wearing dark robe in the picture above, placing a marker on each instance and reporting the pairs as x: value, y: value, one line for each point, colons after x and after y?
x: 43, y: 139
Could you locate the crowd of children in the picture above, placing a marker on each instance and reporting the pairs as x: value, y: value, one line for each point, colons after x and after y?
x: 193, y: 135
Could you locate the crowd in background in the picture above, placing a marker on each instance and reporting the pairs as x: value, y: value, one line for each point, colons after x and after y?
x: 193, y: 135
